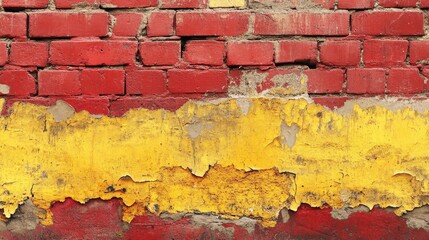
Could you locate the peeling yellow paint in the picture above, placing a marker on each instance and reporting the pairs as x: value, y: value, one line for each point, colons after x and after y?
x: 372, y: 156
x: 226, y: 3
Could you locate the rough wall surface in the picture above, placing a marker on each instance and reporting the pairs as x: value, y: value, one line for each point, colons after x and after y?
x: 214, y: 119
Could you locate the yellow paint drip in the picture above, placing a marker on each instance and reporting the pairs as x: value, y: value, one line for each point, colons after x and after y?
x: 372, y: 156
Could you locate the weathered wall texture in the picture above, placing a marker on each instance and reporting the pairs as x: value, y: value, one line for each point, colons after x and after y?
x: 214, y: 119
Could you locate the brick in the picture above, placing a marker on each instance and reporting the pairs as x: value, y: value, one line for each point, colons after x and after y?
x: 250, y: 53
x: 405, y: 80
x: 160, y: 53
x: 62, y: 24
x: 211, y: 23
x: 59, y: 82
x: 419, y: 51
x: 353, y: 4
x: 146, y: 82
x: 197, y: 81
x: 325, y: 81
x: 25, y: 3
x: 19, y: 82
x: 296, y: 51
x: 424, y: 3
x: 93, y: 53
x: 183, y: 4
x: 29, y: 53
x: 61, y: 4
x: 127, y: 24
x: 121, y: 105
x: 294, y: 4
x: 398, y: 3
x: 204, y: 52
x: 97, y: 106
x: 161, y: 24
x: 332, y: 102
x: 13, y: 24
x: 102, y: 81
x: 364, y: 80
x: 397, y: 23
x: 384, y: 53
x: 128, y: 3
x: 340, y: 53
x: 302, y: 23
x: 4, y: 55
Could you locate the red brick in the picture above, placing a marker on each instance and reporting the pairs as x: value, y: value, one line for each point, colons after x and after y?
x: 13, y: 24
x: 74, y: 3
x: 20, y: 82
x: 127, y: 24
x: 25, y: 3
x: 160, y: 53
x: 98, y: 105
x: 340, y: 53
x: 146, y: 82
x: 120, y: 106
x: 295, y: 4
x: 205, y: 52
x: 398, y: 23
x: 325, y: 81
x: 424, y: 3
x: 93, y: 53
x: 128, y: 3
x: 183, y: 3
x: 419, y: 51
x: 405, y: 80
x: 161, y: 24
x: 211, y: 23
x: 366, y: 80
x: 384, y: 52
x: 331, y: 102
x: 397, y: 3
x: 296, y: 51
x: 59, y: 82
x: 62, y: 24
x: 353, y: 4
x: 250, y: 53
x: 302, y: 23
x: 4, y: 57
x: 197, y: 81
x: 29, y: 53
x: 102, y: 81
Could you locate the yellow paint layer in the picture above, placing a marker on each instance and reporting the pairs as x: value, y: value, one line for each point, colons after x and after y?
x: 226, y: 3
x: 372, y: 156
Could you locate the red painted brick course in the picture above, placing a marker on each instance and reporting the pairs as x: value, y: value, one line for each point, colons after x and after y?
x: 160, y: 53
x: 205, y: 52
x: 385, y: 53
x: 302, y: 23
x: 353, y: 4
x: 197, y: 81
x: 59, y: 83
x: 127, y: 24
x: 211, y: 23
x: 296, y: 51
x: 20, y: 82
x: 388, y: 23
x: 419, y: 51
x: 65, y: 24
x: 250, y: 53
x: 398, y: 3
x: 325, y: 81
x: 13, y: 24
x: 102, y: 81
x: 405, y: 81
x: 29, y: 53
x: 92, y: 53
x: 146, y: 82
x: 340, y: 53
x: 24, y: 3
x: 366, y: 81
x: 161, y: 24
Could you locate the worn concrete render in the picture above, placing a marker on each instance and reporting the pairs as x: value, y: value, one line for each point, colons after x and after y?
x: 235, y: 158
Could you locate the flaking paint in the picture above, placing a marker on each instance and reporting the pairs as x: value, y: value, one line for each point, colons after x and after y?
x: 372, y: 156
